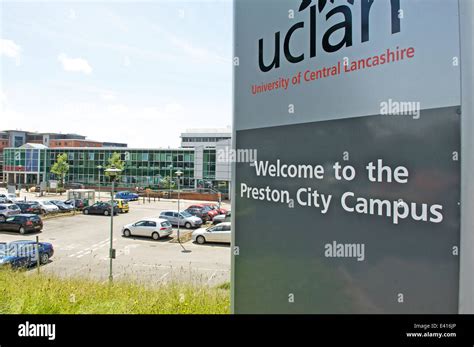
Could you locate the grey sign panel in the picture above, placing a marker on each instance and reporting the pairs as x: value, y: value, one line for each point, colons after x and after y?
x: 430, y: 27
x: 309, y: 241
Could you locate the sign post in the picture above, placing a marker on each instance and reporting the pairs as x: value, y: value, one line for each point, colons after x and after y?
x: 355, y: 111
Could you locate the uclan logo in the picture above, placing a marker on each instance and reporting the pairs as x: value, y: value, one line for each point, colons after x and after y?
x: 346, y: 25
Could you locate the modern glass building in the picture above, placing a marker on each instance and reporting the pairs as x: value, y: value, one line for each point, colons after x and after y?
x: 31, y: 164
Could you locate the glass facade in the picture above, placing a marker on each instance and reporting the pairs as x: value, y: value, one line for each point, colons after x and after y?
x: 143, y: 168
x: 209, y: 164
x: 24, y: 160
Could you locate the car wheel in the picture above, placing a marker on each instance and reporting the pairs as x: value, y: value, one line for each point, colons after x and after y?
x: 155, y: 236
x: 201, y: 240
x: 106, y: 213
x: 188, y: 225
x: 2, y: 218
x: 127, y: 233
x: 85, y: 211
x: 22, y: 231
x: 44, y: 258
x: 43, y: 211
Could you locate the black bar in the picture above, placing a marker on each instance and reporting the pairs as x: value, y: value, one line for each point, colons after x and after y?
x: 317, y: 330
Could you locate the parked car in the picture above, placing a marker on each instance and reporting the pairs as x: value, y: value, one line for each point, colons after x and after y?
x: 222, y: 218
x: 200, y: 213
x: 203, y: 212
x: 63, y: 207
x: 122, y: 205
x: 206, y: 207
x: 216, y: 233
x: 29, y: 207
x: 100, y: 208
x: 76, y: 203
x: 47, y: 207
x: 17, y: 254
x: 22, y: 223
x: 8, y: 210
x: 9, y: 198
x: 74, y: 186
x: 216, y: 208
x: 155, y: 228
x: 126, y: 195
x: 183, y: 218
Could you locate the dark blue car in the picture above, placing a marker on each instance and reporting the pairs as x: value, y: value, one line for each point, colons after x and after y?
x: 18, y: 254
x: 125, y: 195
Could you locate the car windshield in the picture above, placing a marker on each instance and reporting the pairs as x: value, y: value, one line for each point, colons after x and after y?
x: 14, y: 207
x: 186, y: 214
x: 47, y: 203
x: 206, y: 208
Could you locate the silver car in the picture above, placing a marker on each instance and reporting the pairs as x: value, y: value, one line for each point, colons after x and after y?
x: 217, y: 233
x: 221, y: 218
x: 155, y: 228
x: 8, y: 210
x: 9, y: 198
x: 183, y: 218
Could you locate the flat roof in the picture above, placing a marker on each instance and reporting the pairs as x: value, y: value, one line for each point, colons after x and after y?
x: 113, y: 148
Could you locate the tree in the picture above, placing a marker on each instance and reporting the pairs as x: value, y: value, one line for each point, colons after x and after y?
x: 60, y: 168
x: 167, y: 183
x: 115, y: 162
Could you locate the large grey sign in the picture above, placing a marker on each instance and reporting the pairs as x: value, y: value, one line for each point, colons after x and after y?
x: 353, y: 203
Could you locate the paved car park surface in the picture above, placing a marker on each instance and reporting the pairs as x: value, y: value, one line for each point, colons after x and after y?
x: 81, y: 245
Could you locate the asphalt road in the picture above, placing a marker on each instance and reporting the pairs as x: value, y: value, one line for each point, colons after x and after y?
x: 81, y: 246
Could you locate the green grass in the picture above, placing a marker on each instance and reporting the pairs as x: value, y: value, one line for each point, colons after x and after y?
x: 29, y: 293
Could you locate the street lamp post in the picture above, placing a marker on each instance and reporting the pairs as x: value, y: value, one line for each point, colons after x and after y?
x: 19, y: 180
x: 179, y: 173
x: 99, y: 168
x: 170, y: 180
x: 113, y: 172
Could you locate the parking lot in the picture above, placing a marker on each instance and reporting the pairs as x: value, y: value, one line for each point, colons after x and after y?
x: 81, y: 245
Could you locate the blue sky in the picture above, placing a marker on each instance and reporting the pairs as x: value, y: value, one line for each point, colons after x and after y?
x: 116, y: 71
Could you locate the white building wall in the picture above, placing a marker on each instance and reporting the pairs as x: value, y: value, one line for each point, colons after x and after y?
x: 198, y: 160
x: 223, y: 164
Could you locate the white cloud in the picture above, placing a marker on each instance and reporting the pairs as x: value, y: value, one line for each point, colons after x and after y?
x: 10, y: 49
x: 74, y: 64
x: 108, y: 96
x: 119, y: 108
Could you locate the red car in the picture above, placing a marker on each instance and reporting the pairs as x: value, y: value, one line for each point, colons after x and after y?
x: 216, y: 208
x: 206, y: 208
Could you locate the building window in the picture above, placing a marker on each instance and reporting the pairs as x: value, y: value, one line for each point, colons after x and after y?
x: 17, y: 141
